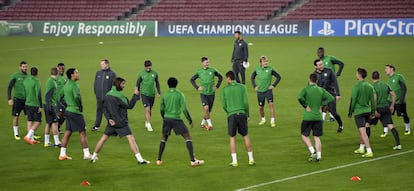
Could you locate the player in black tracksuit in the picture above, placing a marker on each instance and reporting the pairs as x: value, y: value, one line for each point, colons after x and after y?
x: 327, y: 80
x: 240, y: 55
x: 116, y: 107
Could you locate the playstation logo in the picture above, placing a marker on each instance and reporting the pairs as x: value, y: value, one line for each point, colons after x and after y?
x: 327, y: 29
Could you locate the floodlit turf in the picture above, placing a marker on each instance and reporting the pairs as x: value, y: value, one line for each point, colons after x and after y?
x: 279, y: 152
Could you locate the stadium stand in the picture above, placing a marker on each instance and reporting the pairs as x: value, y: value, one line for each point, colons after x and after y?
x: 351, y: 9
x: 201, y: 10
x: 212, y: 10
x: 69, y: 10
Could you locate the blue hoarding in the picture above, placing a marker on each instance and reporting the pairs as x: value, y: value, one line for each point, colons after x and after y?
x: 362, y: 27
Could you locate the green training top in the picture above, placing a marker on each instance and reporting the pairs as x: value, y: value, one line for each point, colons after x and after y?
x: 383, y: 91
x: 172, y: 104
x: 362, y: 99
x: 60, y: 81
x: 330, y: 61
x: 263, y: 76
x: 50, y: 94
x: 18, y: 87
x: 147, y: 81
x: 234, y: 99
x: 33, y: 91
x: 314, y: 97
x: 395, y: 82
x: 206, y: 76
x: 71, y: 93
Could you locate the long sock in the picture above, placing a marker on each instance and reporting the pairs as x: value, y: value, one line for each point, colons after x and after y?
x: 189, y: 144
x: 396, y: 136
x: 30, y: 134
x: 407, y: 127
x: 203, y: 121
x: 368, y: 130
x: 369, y: 150
x: 139, y: 157
x: 385, y: 129
x: 94, y: 155
x: 318, y: 155
x: 47, y: 138
x: 16, y: 130
x: 86, y: 152
x: 272, y: 120
x: 209, y: 122
x: 161, y: 150
x: 263, y: 118
x: 361, y: 146
x: 311, y: 150
x: 234, y: 157
x: 56, y: 138
x: 250, y: 154
x: 323, y: 116
x: 62, y: 151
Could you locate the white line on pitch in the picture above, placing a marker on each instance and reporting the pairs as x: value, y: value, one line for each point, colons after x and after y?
x: 322, y: 171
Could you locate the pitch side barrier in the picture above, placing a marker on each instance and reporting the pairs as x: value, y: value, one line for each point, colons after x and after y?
x: 312, y: 28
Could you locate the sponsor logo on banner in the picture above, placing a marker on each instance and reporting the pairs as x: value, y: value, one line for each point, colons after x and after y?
x: 276, y: 28
x: 363, y: 27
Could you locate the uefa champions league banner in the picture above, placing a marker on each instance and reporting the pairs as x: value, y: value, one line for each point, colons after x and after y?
x: 265, y: 28
x: 77, y: 28
x: 362, y: 27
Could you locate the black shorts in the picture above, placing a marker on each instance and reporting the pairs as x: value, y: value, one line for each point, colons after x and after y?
x: 51, y: 116
x: 315, y: 126
x: 176, y: 124
x: 261, y: 96
x: 33, y: 114
x: 74, y: 122
x: 18, y: 106
x: 147, y: 100
x: 237, y: 123
x: 115, y: 131
x: 207, y: 100
x: 385, y: 118
x: 362, y: 119
x: 401, y: 109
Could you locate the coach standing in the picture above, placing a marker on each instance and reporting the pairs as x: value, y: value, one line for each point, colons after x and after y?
x: 239, y: 56
x: 102, y: 84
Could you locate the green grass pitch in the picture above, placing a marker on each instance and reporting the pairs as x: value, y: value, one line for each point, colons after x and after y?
x: 279, y: 152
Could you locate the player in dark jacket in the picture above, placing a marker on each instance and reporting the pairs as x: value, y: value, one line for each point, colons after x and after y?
x: 116, y: 112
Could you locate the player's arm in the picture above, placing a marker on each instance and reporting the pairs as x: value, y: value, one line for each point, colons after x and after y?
x: 162, y: 107
x: 373, y: 100
x: 106, y: 108
x: 96, y: 84
x: 340, y: 66
x: 9, y: 88
x: 352, y: 102
x: 193, y: 79
x: 393, y: 98
x: 157, y: 85
x: 39, y: 97
x: 185, y: 110
x: 138, y: 85
x: 220, y: 79
x: 301, y: 98
x: 278, y: 78
x: 48, y: 98
x: 246, y: 102
x: 245, y: 51
x: 403, y: 91
x: 327, y: 98
x: 253, y: 79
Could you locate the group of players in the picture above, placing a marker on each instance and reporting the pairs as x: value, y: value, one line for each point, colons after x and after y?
x: 62, y: 101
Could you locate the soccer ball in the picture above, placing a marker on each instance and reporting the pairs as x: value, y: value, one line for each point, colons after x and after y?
x: 246, y: 64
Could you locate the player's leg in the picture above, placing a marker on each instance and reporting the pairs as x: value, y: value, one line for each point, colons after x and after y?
x: 98, y: 118
x: 269, y: 97
x: 135, y: 149
x: 55, y: 132
x: 332, y: 109
x: 261, y: 102
x: 232, y: 130
x: 236, y: 71
x: 305, y: 132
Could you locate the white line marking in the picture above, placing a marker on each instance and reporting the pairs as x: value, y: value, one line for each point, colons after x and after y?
x: 322, y: 171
